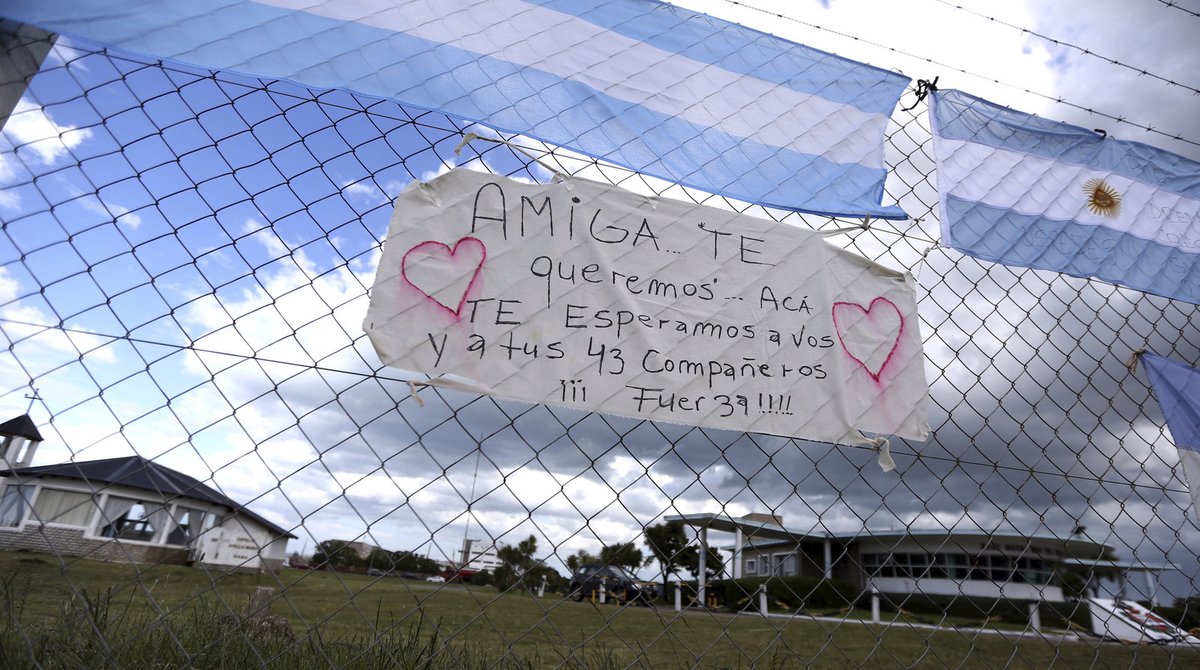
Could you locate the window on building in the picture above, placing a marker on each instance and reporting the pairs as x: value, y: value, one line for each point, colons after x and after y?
x: 750, y: 567
x: 987, y: 567
x: 777, y: 564
x: 956, y: 566
x: 130, y: 519
x: 871, y: 564
x: 13, y: 504
x: 70, y: 508
x: 918, y: 565
x: 1000, y: 568
x: 939, y: 566
x: 789, y: 565
x: 1032, y: 571
x: 188, y: 524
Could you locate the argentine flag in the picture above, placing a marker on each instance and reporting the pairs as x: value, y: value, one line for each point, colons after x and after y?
x: 646, y: 85
x: 1177, y: 388
x: 1022, y: 190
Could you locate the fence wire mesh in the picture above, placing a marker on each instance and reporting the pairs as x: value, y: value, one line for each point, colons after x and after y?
x: 186, y: 261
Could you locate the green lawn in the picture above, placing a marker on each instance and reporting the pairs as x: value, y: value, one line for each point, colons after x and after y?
x: 171, y: 616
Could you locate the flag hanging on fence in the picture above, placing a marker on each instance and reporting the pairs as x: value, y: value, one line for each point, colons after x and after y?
x: 655, y: 88
x: 1022, y: 190
x: 1177, y: 388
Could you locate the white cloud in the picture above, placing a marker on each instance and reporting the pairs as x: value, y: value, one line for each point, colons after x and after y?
x: 118, y: 213
x: 42, y: 344
x: 429, y: 175
x: 362, y: 191
x: 10, y: 200
x: 31, y: 127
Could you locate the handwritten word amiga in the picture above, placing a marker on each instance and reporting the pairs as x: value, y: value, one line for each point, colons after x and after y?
x: 584, y: 295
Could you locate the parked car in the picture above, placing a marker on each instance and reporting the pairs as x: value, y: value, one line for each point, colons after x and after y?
x: 621, y: 584
x: 436, y: 578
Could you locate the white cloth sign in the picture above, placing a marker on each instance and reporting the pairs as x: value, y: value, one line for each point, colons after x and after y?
x: 588, y: 296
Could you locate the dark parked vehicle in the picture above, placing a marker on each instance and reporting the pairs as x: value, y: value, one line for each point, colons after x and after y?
x: 622, y: 585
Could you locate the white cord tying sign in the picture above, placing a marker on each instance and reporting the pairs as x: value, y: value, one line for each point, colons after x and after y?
x: 588, y: 296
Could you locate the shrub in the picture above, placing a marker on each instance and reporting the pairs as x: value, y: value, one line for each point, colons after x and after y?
x: 794, y: 593
x: 977, y: 611
x: 482, y: 578
x: 974, y: 610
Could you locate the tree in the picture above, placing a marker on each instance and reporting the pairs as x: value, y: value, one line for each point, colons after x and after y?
x: 401, y: 561
x: 579, y: 558
x: 336, y: 554
x: 516, y: 561
x: 668, y: 544
x: 625, y: 555
x: 555, y: 583
x: 407, y: 561
x: 381, y: 559
x: 712, y: 566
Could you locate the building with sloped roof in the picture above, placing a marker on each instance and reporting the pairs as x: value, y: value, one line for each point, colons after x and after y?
x: 131, y: 509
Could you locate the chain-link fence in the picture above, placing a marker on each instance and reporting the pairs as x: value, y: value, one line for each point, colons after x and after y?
x: 186, y: 259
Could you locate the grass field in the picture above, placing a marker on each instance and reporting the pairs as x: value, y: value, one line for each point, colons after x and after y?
x: 83, y: 613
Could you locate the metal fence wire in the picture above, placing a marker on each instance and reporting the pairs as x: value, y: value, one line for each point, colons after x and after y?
x: 186, y: 262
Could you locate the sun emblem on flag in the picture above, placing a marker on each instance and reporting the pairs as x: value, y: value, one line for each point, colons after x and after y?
x: 1102, y: 198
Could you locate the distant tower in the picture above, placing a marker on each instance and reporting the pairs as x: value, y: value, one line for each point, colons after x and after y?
x: 20, y: 439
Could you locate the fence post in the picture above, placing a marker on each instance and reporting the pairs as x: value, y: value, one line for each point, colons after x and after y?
x: 542, y: 587
x: 603, y: 590
x: 678, y: 596
x: 762, y: 598
x: 874, y: 604
x: 1035, y: 616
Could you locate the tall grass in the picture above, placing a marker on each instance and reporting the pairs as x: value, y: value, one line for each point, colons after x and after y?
x: 60, y: 613
x: 98, y: 631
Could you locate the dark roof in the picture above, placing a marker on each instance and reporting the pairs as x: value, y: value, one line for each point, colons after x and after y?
x: 22, y: 426
x: 141, y: 473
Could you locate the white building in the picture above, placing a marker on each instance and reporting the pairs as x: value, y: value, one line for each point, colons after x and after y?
x: 950, y: 562
x: 478, y: 555
x: 126, y: 509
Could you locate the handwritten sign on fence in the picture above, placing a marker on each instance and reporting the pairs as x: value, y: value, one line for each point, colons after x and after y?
x: 588, y: 296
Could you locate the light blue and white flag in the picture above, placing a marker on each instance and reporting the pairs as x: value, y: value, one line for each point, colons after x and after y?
x: 1022, y: 190
x: 1177, y: 388
x: 639, y: 83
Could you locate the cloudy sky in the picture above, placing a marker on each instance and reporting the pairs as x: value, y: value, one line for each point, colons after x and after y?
x: 206, y: 245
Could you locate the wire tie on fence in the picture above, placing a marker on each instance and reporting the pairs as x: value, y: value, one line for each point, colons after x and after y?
x: 471, y: 137
x: 467, y: 139
x: 882, y: 448
x: 1133, y: 360
x: 924, y: 88
x: 865, y: 225
x: 412, y: 391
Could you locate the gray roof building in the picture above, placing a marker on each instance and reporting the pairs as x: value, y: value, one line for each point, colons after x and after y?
x: 142, y: 473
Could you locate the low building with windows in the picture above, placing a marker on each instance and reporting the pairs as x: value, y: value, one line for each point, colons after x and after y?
x: 131, y: 510
x: 950, y: 562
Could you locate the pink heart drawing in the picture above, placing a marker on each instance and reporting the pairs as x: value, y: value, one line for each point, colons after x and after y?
x: 444, y: 275
x: 869, y: 336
